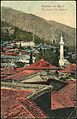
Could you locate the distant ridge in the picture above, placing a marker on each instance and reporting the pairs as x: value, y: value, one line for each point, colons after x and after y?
x: 48, y: 30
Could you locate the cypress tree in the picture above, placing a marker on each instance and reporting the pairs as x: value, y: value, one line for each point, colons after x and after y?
x: 30, y: 60
x: 20, y: 46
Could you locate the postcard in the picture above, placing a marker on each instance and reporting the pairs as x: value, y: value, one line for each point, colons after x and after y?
x: 38, y: 59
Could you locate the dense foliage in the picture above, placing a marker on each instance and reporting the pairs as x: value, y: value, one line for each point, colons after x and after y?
x: 51, y: 56
x: 18, y: 34
x: 20, y: 64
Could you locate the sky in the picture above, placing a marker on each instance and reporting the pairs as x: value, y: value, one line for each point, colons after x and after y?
x: 59, y: 11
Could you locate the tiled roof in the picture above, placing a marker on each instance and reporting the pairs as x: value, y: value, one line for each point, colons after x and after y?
x: 34, y: 109
x: 21, y: 74
x: 33, y: 79
x: 11, y: 69
x: 16, y: 74
x: 5, y: 48
x: 26, y: 72
x: 7, y: 71
x: 42, y: 64
x: 15, y: 105
x: 35, y: 87
x: 10, y: 53
x: 19, y: 69
x: 66, y: 97
x: 69, y: 69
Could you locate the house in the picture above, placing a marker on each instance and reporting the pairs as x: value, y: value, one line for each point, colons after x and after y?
x: 71, y: 68
x: 31, y: 43
x: 25, y: 58
x: 64, y: 98
x: 8, y: 58
x: 30, y: 96
x: 16, y: 105
x: 25, y: 100
x: 10, y: 53
x: 19, y: 76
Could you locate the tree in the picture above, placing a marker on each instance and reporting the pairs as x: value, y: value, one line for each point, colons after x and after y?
x: 30, y: 60
x: 20, y: 46
x: 55, y: 59
x: 20, y: 64
x: 48, y: 55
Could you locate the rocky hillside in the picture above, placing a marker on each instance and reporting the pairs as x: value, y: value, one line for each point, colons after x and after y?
x: 48, y: 30
x: 10, y: 32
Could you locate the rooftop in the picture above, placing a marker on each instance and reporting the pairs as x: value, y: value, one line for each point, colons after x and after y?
x: 15, y: 105
x: 69, y: 69
x: 10, y: 53
x: 42, y: 64
x: 26, y: 72
x: 64, y: 98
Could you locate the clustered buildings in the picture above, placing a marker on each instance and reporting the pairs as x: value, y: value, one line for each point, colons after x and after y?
x: 37, y: 90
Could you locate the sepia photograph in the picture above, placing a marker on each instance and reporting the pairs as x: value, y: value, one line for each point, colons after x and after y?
x: 38, y: 60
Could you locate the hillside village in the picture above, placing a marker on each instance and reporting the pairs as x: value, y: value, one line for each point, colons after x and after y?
x: 38, y: 80
x: 48, y: 87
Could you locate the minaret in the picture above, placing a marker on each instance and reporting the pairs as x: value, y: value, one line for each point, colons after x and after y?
x: 61, y: 61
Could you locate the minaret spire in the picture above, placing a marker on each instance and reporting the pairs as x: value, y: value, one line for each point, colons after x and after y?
x: 61, y: 38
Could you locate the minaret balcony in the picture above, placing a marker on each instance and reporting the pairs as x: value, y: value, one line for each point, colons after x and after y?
x: 61, y: 43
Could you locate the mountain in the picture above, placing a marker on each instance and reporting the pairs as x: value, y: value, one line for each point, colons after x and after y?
x: 47, y: 30
x: 10, y: 32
